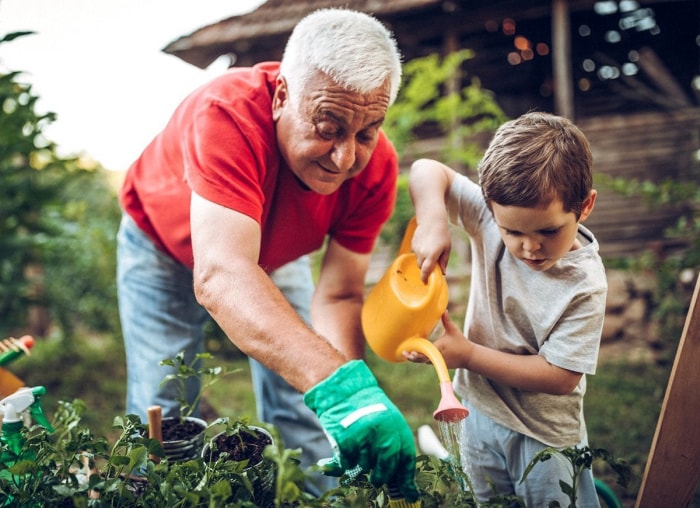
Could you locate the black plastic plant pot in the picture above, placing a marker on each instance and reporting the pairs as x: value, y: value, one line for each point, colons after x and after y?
x: 246, y: 444
x: 183, y: 438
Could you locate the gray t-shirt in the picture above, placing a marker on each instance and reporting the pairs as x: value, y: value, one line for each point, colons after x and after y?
x: 557, y: 313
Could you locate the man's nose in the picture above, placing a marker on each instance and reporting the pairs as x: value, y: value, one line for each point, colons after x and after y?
x: 343, y: 154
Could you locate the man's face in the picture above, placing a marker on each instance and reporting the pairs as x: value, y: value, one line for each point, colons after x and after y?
x: 327, y: 134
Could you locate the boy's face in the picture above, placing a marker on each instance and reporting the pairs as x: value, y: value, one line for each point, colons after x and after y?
x: 540, y: 236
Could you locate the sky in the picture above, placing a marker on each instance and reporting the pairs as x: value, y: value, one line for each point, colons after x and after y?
x: 98, y: 65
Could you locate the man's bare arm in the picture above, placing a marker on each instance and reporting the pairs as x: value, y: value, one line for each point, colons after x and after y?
x: 247, y: 305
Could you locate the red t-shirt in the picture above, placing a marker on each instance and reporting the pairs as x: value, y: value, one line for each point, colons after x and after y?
x: 221, y: 144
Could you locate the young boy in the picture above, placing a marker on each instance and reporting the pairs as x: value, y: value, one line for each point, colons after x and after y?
x: 536, y: 306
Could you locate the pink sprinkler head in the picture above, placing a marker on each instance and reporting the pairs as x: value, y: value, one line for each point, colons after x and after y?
x: 449, y: 410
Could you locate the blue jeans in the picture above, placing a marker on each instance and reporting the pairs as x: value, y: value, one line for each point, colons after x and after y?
x: 160, y: 317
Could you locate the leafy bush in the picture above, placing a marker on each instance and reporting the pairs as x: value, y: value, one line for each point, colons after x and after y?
x: 58, y: 220
x: 72, y: 467
x: 425, y: 107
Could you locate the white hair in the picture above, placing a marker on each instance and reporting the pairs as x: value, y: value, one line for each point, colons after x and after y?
x: 352, y: 48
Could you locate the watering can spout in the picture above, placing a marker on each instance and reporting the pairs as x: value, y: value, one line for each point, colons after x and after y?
x: 401, y: 311
x: 449, y: 409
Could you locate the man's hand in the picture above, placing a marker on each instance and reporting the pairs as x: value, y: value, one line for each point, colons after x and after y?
x: 365, y: 427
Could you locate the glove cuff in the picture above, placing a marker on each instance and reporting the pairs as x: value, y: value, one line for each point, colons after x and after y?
x: 349, y: 379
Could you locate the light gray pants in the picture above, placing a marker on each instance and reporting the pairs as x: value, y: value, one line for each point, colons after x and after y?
x: 496, y: 454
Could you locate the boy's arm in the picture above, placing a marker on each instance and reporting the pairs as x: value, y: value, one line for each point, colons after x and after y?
x: 526, y: 372
x: 429, y: 183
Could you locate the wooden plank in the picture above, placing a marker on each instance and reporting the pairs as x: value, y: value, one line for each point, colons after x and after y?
x: 673, y: 468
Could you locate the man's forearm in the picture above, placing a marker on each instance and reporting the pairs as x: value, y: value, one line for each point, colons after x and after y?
x: 339, y: 322
x: 257, y: 318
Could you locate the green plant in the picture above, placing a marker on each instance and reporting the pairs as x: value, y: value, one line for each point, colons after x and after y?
x: 246, y: 439
x: 425, y: 103
x: 193, y: 372
x: 72, y: 467
x: 428, y: 107
x: 580, y: 459
x: 54, y: 470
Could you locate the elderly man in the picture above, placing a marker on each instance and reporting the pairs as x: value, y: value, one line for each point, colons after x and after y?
x: 253, y: 171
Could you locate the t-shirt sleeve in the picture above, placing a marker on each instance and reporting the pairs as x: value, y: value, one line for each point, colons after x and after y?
x: 465, y: 205
x: 575, y: 341
x: 221, y: 163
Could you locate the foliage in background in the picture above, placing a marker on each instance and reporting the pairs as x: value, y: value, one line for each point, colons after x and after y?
x: 676, y: 273
x: 393, y: 230
x: 79, y: 260
x: 425, y: 107
x: 24, y: 190
x: 426, y: 104
x: 622, y: 406
x: 58, y: 219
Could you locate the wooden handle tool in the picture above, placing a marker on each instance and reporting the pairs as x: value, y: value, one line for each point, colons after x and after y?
x: 155, y: 431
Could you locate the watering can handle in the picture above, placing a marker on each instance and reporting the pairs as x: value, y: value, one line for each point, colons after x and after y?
x: 405, y: 247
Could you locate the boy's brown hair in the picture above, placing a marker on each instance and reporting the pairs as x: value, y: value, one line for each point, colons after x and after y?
x: 534, y: 159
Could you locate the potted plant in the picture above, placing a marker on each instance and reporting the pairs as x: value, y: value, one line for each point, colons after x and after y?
x: 238, y: 454
x: 183, y: 437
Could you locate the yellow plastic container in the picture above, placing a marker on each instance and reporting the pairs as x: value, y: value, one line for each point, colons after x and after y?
x: 400, y: 307
x: 400, y: 313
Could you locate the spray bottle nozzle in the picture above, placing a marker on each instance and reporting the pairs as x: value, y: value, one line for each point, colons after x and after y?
x: 37, y: 411
x: 25, y: 398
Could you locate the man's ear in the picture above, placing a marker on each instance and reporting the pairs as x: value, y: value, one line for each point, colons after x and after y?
x: 587, y: 206
x: 279, y: 99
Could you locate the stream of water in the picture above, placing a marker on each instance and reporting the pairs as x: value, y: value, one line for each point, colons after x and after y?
x: 452, y: 437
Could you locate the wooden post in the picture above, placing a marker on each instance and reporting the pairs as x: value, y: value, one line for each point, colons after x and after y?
x: 673, y: 467
x: 561, y: 60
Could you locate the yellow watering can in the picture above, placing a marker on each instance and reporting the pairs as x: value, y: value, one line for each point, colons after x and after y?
x: 400, y: 313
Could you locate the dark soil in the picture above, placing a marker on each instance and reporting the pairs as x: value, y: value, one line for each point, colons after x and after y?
x: 173, y: 429
x: 248, y: 444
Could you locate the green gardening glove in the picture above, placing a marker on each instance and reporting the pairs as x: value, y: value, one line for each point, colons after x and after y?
x: 365, y: 428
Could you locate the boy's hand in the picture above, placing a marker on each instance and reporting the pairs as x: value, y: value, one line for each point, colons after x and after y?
x: 431, y: 244
x: 415, y: 357
x: 454, y: 347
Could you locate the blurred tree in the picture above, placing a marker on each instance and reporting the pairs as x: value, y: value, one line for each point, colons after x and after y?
x: 58, y: 219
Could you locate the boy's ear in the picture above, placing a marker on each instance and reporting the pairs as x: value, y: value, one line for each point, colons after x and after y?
x: 587, y: 206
